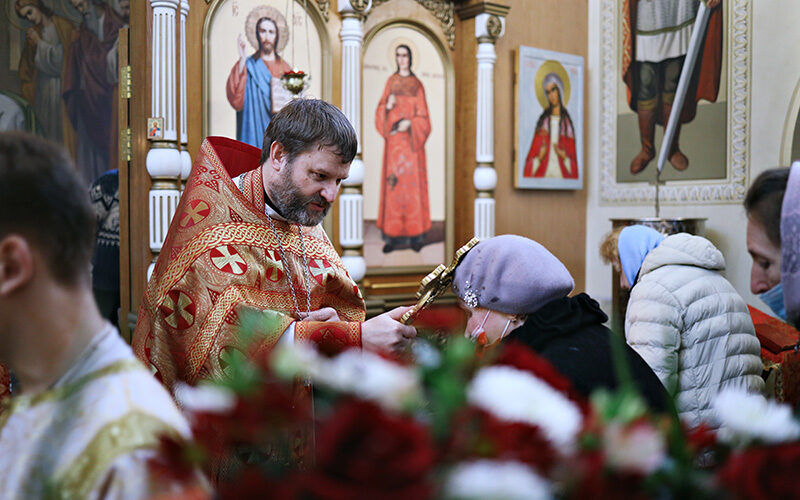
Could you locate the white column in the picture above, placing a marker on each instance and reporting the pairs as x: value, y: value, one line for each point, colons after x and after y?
x: 163, y: 159
x: 351, y: 201
x: 488, y: 28
x: 186, y: 159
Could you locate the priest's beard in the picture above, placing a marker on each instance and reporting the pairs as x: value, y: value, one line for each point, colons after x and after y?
x: 293, y: 205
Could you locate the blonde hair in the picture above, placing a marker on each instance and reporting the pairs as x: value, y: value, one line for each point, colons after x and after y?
x: 609, y: 247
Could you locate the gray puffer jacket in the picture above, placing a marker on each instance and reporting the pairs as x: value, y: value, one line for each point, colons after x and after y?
x: 692, y: 327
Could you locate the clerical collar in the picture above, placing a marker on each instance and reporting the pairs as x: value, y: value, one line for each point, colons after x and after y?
x: 271, y: 210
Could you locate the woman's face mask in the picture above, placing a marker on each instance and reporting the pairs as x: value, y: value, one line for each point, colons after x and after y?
x: 491, y: 328
x: 774, y: 299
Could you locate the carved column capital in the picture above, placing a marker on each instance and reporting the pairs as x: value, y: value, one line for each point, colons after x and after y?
x: 354, y: 8
x: 489, y: 27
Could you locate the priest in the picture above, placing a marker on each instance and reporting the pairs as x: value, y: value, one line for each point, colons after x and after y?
x: 246, y: 237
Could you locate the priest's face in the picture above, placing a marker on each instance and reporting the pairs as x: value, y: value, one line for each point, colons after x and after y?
x: 307, y: 186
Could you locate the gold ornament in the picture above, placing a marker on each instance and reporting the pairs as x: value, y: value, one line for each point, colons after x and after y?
x: 294, y: 81
x: 494, y: 26
x: 359, y: 5
x: 437, y: 282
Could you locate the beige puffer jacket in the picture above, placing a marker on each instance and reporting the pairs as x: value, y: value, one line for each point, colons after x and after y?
x: 692, y: 327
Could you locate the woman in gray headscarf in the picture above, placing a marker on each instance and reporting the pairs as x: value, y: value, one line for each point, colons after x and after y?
x: 513, y: 288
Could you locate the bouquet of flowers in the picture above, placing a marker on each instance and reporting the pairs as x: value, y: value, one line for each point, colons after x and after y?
x: 454, y: 425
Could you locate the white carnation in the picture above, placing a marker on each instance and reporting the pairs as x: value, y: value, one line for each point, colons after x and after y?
x: 371, y: 377
x: 295, y: 359
x: 509, y: 480
x: 744, y: 417
x: 517, y: 396
x: 640, y: 448
x: 204, y: 398
x: 361, y: 373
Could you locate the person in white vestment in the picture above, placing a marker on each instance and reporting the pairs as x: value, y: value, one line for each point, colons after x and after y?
x: 85, y: 418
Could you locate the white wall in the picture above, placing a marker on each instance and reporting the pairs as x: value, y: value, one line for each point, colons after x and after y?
x: 775, y: 66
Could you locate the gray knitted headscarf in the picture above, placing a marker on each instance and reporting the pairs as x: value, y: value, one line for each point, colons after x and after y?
x: 511, y: 274
x: 790, y: 246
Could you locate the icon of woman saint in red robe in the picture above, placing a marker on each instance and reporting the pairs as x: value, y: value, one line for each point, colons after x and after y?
x: 552, y: 151
x: 402, y: 120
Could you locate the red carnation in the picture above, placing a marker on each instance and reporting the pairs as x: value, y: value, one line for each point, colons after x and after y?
x: 255, y: 419
x: 365, y: 453
x: 763, y: 473
x: 701, y: 438
x: 591, y: 479
x: 478, y: 434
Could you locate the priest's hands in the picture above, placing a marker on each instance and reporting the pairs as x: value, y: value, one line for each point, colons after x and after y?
x: 324, y: 314
x: 386, y: 333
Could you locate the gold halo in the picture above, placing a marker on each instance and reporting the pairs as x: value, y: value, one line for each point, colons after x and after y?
x: 551, y: 66
x: 393, y: 51
x: 272, y: 13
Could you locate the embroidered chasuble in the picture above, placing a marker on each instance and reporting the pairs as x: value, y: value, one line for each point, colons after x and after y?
x: 92, y: 434
x: 222, y: 257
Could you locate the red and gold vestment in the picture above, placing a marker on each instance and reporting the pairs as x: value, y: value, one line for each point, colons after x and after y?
x: 221, y: 258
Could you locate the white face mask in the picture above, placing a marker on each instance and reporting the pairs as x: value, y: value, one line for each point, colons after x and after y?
x: 479, y: 334
x: 478, y: 330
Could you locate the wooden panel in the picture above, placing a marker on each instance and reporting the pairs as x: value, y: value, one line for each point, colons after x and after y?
x: 124, y: 194
x: 135, y: 249
x: 556, y: 219
x: 466, y: 111
x: 194, y: 74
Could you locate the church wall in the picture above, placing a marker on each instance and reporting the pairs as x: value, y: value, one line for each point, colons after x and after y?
x: 774, y: 80
x: 556, y: 219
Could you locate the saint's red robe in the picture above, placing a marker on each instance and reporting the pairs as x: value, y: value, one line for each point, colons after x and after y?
x: 541, y: 139
x: 404, y: 208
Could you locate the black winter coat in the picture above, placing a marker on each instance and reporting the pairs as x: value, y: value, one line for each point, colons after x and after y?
x: 569, y: 333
